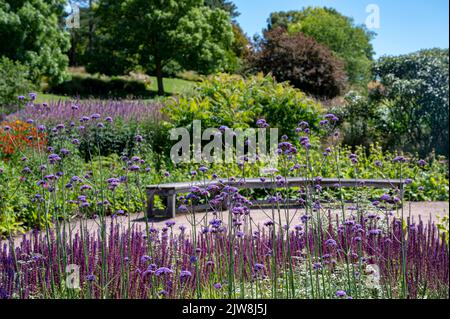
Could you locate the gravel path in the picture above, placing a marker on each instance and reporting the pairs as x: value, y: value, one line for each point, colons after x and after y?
x: 424, y: 210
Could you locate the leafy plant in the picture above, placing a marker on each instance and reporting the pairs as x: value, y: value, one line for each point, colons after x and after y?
x: 14, y: 80
x: 238, y: 102
x: 302, y: 61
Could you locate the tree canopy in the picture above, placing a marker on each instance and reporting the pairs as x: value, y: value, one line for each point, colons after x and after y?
x: 185, y: 32
x: 302, y: 61
x: 32, y: 34
x: 414, y: 95
x: 327, y: 26
x: 225, y: 5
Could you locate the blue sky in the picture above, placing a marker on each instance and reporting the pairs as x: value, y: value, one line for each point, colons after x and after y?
x: 405, y: 25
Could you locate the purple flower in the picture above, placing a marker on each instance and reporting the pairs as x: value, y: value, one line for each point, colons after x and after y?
x: 399, y: 159
x: 421, y: 162
x: 262, y: 123
x: 341, y: 293
x: 218, y: 286
x: 170, y: 223
x: 134, y: 168
x: 90, y: 278
x: 331, y: 243
x: 163, y: 271
x: 408, y: 181
x: 193, y: 259
x: 185, y: 274
x: 259, y: 267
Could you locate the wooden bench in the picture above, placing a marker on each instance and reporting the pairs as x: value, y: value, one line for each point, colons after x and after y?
x: 168, y: 192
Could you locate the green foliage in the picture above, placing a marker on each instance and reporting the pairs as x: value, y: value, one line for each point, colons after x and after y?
x: 103, y: 87
x: 350, y: 42
x: 302, y: 61
x: 414, y: 99
x: 13, y: 82
x: 239, y: 102
x: 443, y: 226
x: 225, y: 5
x: 360, y: 120
x: 183, y: 32
x: 35, y: 37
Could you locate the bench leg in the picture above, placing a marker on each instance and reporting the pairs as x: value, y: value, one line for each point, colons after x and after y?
x: 150, y: 204
x: 171, y: 206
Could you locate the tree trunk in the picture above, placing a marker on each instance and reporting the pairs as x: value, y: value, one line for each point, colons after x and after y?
x: 159, y: 77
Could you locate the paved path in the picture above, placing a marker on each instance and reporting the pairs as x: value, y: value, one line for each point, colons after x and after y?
x: 425, y: 210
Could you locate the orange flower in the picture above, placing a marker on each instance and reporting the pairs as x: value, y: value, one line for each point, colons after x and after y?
x: 19, y: 138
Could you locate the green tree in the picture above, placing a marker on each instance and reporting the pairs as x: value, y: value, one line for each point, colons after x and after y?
x: 32, y: 34
x: 413, y: 97
x: 155, y: 33
x: 225, y: 5
x: 348, y: 41
x: 13, y: 82
x: 82, y: 37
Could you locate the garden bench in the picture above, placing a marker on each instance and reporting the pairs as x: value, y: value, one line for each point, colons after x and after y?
x: 168, y: 192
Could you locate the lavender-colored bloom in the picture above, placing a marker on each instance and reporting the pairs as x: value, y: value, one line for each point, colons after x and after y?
x: 185, y: 274
x: 259, y: 267
x: 262, y: 123
x: 375, y: 231
x: 193, y: 259
x: 408, y: 181
x: 90, y: 278
x: 341, y: 293
x: 53, y: 158
x: 134, y: 168
x: 331, y: 243
x: 163, y: 271
x: 170, y: 223
x: 399, y: 159
x: 218, y: 286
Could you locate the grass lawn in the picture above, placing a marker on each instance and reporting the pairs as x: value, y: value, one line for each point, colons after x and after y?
x: 47, y: 97
x: 172, y: 86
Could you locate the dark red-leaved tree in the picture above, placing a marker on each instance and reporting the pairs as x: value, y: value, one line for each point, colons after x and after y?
x: 306, y: 64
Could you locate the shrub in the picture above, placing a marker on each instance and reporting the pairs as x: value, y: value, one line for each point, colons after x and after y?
x: 302, y: 61
x: 13, y: 82
x: 90, y: 86
x: 238, y: 102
